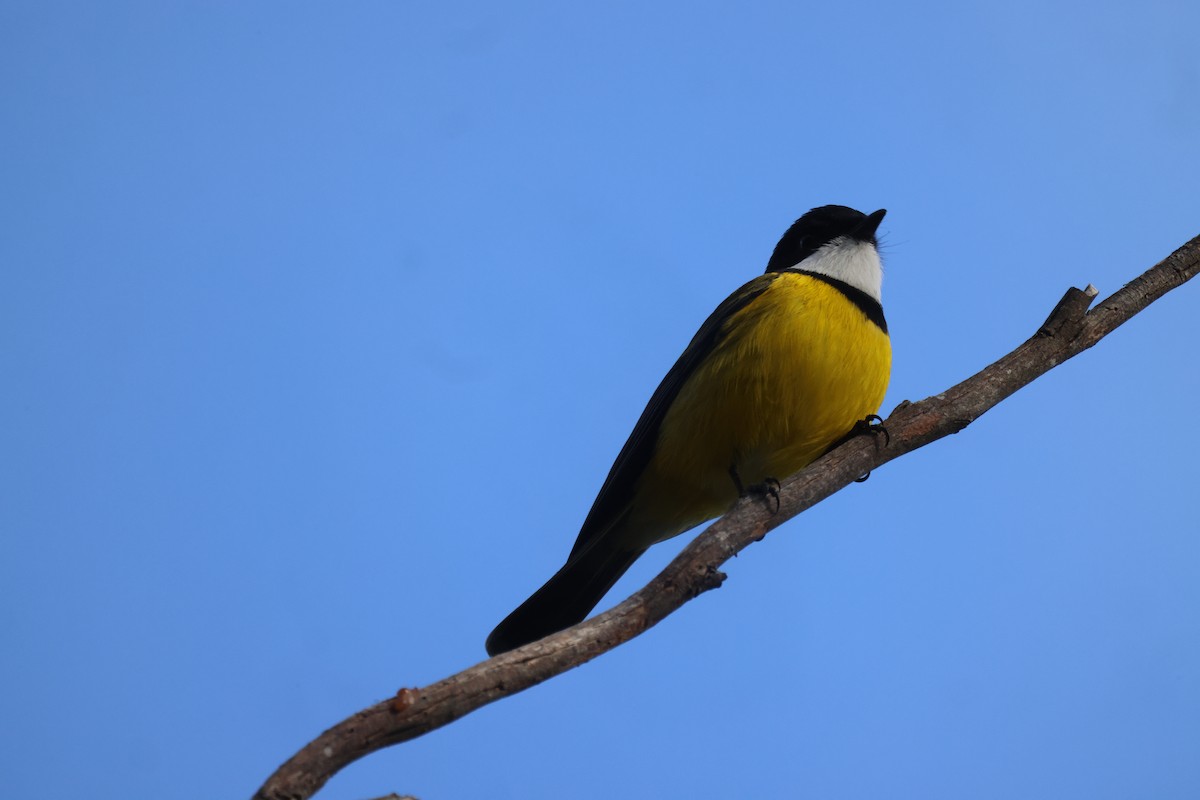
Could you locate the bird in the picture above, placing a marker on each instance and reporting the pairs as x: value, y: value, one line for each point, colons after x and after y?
x: 787, y: 367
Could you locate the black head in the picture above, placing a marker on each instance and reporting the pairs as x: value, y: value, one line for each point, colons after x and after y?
x: 818, y: 228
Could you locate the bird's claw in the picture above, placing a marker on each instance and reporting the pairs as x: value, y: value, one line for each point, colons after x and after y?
x: 873, y: 424
x: 769, y: 488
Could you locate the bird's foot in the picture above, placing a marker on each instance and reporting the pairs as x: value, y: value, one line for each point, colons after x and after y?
x: 872, y: 424
x: 769, y: 491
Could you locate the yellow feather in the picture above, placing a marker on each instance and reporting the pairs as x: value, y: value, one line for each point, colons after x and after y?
x: 795, y: 370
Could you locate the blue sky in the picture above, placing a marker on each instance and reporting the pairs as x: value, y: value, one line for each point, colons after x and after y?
x: 321, y: 326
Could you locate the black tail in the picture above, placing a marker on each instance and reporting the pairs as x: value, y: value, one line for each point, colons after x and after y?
x: 565, y: 599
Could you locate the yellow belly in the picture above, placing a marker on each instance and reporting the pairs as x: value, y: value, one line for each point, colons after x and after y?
x: 797, y: 368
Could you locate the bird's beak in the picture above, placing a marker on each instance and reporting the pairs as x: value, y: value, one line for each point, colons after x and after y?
x: 870, y: 224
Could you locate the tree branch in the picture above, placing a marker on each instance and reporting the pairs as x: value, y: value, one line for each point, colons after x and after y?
x: 1069, y: 330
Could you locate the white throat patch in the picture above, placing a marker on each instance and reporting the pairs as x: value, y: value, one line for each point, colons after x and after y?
x: 856, y: 263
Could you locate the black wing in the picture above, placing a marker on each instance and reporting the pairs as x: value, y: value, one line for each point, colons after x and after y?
x: 617, y: 492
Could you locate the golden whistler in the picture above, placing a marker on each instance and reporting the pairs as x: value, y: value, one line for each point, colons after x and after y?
x: 781, y: 371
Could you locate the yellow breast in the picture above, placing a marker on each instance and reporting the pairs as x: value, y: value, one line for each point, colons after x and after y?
x: 794, y: 371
